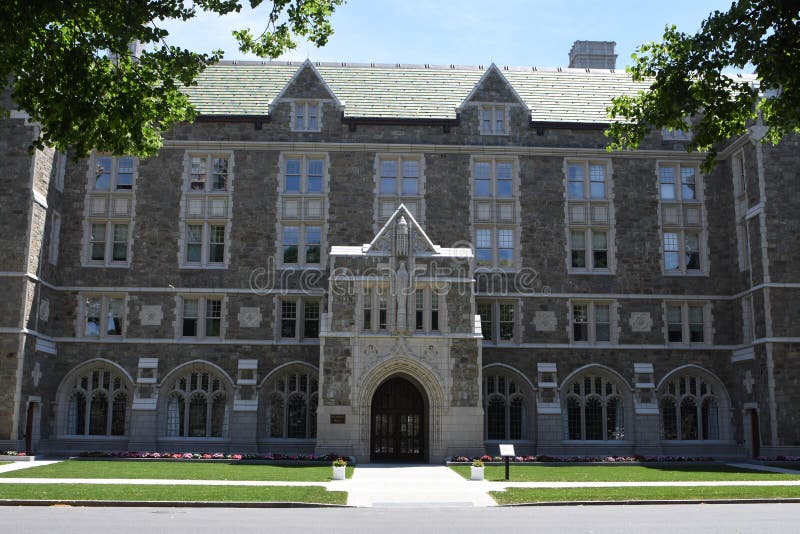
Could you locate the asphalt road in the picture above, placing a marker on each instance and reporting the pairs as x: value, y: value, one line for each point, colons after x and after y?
x: 722, y: 518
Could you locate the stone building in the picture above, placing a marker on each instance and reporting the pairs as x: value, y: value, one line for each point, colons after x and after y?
x: 400, y: 262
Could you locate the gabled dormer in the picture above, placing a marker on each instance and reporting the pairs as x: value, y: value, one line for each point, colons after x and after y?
x: 308, y: 97
x: 401, y: 235
x: 493, y: 98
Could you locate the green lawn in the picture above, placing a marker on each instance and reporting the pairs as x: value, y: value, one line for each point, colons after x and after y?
x: 175, y: 471
x: 4, y: 463
x: 622, y: 473
x: 108, y: 492
x: 532, y: 495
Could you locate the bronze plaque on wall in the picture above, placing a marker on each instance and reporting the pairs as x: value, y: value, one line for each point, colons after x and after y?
x: 337, y: 418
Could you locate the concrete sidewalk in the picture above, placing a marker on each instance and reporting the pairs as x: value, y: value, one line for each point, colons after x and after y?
x: 412, y: 486
x: 16, y: 466
x: 383, y: 485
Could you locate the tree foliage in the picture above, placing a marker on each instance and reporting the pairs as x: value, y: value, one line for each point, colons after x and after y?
x: 691, y: 78
x: 69, y: 66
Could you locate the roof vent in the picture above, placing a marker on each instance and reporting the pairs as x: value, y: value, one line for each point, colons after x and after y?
x: 593, y: 55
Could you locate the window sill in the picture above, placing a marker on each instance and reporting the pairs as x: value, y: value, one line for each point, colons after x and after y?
x: 597, y: 272
x: 211, y: 266
x: 596, y: 441
x: 687, y: 274
x: 299, y: 267
x: 125, y: 265
x: 92, y: 437
x: 185, y: 439
x: 495, y: 269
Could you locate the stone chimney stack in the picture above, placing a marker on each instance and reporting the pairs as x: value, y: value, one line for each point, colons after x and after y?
x: 593, y: 55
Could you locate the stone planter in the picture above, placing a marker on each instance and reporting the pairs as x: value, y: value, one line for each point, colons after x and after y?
x: 9, y: 458
x: 476, y: 473
x: 339, y: 472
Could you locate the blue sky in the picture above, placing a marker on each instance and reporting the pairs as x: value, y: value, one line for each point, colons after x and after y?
x: 465, y: 32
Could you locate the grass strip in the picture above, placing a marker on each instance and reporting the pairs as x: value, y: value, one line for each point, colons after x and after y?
x: 534, y: 495
x: 4, y: 463
x: 622, y: 473
x: 176, y: 471
x: 133, y: 492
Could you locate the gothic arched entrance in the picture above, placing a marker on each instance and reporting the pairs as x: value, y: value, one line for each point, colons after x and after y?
x: 398, y: 422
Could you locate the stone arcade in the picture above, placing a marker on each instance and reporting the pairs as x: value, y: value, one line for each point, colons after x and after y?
x: 401, y: 262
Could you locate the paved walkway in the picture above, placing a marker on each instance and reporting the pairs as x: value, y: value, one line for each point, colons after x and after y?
x: 768, y: 468
x: 382, y: 485
x: 411, y: 485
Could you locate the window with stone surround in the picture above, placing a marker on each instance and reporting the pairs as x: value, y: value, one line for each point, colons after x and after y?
x: 687, y: 322
x: 505, y: 407
x: 55, y: 237
x: 498, y: 320
x: 594, y: 408
x: 98, y: 403
x: 306, y: 115
x: 495, y: 212
x: 426, y: 309
x: 291, y: 404
x: 592, y: 322
x: 110, y: 199
x: 201, y: 317
x: 102, y: 316
x: 399, y: 179
x: 683, y: 224
x: 60, y: 170
x: 206, y: 210
x: 299, y: 318
x: 741, y: 204
x: 689, y: 406
x: 494, y: 119
x: 197, y: 404
x: 302, y: 211
x: 590, y: 216
x: 374, y: 308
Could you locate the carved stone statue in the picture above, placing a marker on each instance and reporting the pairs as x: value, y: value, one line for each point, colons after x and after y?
x: 401, y: 293
x: 402, y: 238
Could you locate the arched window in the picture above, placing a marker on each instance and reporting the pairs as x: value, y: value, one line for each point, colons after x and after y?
x: 197, y: 405
x: 292, y: 405
x: 506, y: 416
x: 97, y: 403
x: 689, y: 408
x: 595, y: 409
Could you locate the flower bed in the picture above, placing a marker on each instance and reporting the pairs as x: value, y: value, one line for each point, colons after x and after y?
x: 312, y: 459
x: 543, y: 458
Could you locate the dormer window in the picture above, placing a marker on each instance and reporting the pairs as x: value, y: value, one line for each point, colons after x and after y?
x: 494, y: 120
x: 306, y: 116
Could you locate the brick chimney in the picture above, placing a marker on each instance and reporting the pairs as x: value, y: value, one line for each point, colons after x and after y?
x: 593, y: 55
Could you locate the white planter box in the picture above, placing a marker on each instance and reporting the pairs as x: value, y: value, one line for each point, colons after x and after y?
x: 4, y: 458
x: 339, y: 472
x: 476, y: 473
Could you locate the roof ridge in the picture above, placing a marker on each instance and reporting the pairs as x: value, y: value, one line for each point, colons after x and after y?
x: 414, y: 66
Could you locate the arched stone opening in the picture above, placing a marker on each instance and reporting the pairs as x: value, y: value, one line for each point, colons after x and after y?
x: 428, y: 386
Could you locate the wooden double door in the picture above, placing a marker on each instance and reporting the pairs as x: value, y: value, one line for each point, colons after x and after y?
x: 398, y: 422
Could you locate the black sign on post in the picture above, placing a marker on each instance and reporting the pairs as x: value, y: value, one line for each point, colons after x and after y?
x: 507, y: 452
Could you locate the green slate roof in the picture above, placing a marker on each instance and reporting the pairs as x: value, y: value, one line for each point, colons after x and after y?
x: 419, y: 92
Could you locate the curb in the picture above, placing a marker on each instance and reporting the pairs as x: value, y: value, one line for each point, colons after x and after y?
x: 168, y: 504
x: 791, y: 500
